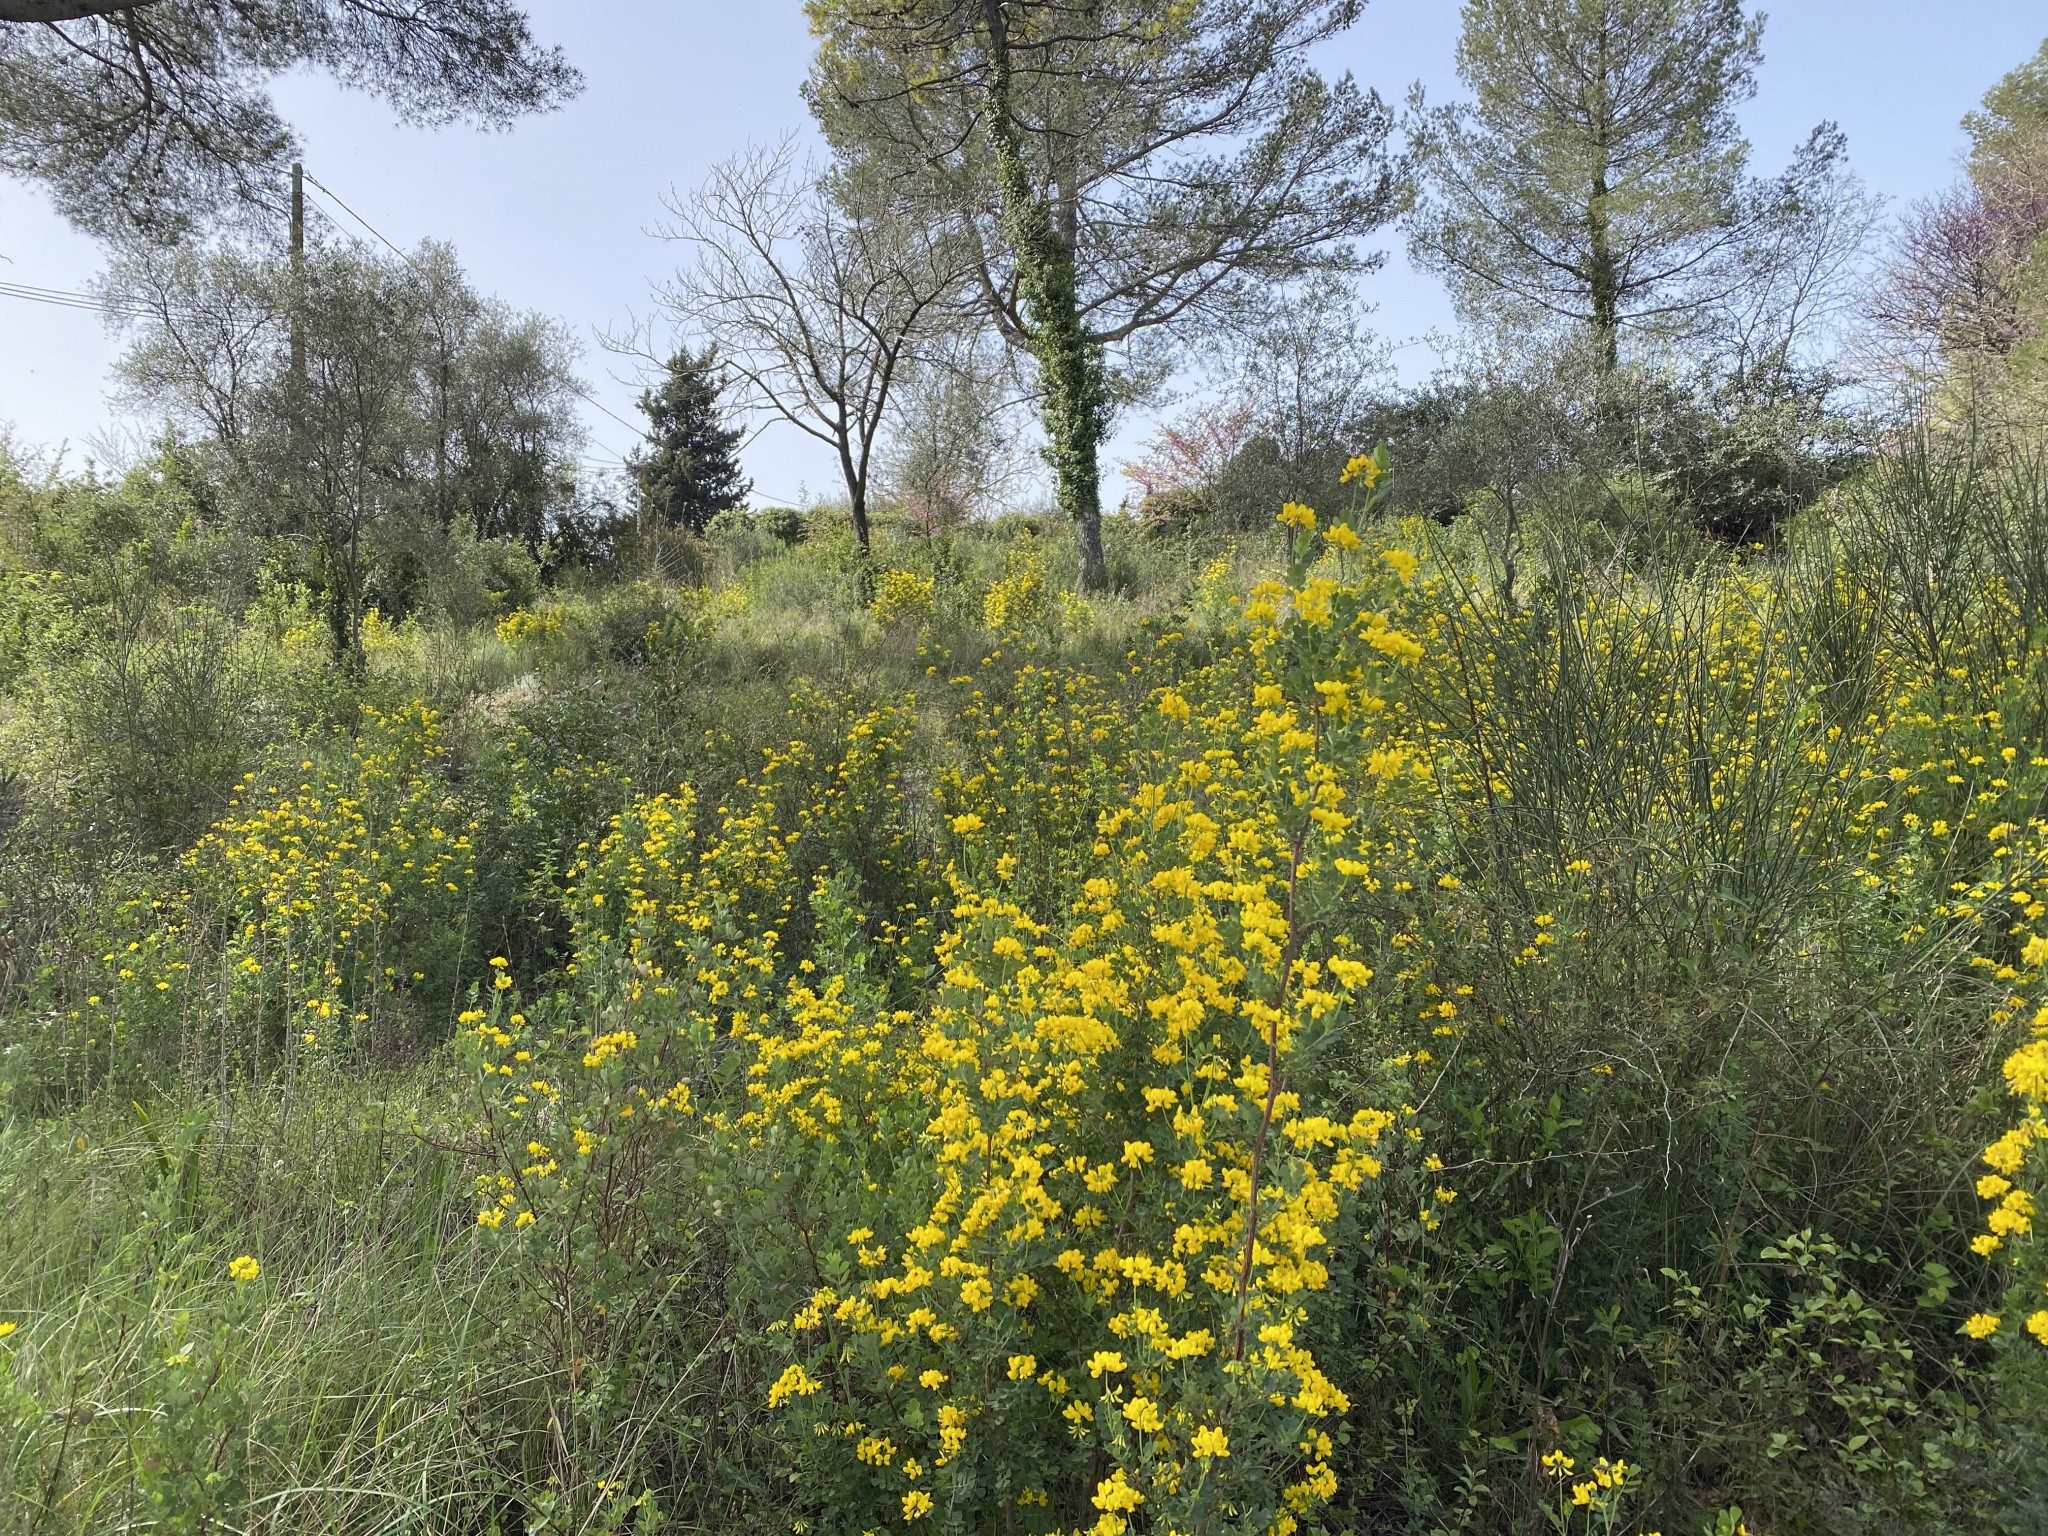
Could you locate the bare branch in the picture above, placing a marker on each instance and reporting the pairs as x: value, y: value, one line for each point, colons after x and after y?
x: 30, y: 11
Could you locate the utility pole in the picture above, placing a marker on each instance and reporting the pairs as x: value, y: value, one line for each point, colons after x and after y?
x: 298, y: 266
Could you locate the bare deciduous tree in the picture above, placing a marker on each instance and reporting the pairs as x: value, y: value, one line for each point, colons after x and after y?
x: 817, y: 296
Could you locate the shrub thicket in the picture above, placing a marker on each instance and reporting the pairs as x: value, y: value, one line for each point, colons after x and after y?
x: 1334, y: 1035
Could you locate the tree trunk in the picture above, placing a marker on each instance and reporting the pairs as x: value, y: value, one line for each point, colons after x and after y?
x: 857, y: 501
x: 1603, y: 276
x: 1604, y: 289
x: 856, y: 477
x: 1071, y: 385
x: 1603, y: 271
x: 1603, y: 280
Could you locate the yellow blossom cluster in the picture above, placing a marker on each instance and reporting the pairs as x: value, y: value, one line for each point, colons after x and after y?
x: 306, y: 914
x: 1081, y: 1178
x: 901, y: 597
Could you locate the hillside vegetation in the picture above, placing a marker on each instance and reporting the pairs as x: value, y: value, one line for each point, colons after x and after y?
x: 1328, y: 1035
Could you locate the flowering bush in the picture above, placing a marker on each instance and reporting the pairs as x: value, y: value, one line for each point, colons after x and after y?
x: 1060, y: 1229
x: 322, y: 909
x: 1229, y: 1073
x: 901, y: 597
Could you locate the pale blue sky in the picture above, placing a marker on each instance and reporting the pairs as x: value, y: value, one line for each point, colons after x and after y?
x: 552, y: 215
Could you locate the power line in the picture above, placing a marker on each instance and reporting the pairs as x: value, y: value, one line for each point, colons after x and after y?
x: 591, y: 399
x: 67, y: 299
x: 373, y: 229
x: 392, y: 246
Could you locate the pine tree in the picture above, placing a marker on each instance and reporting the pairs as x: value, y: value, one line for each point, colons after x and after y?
x: 1597, y: 175
x: 690, y: 470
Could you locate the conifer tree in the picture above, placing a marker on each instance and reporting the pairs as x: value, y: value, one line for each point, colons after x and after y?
x: 690, y: 469
x: 1597, y: 176
x: 152, y: 117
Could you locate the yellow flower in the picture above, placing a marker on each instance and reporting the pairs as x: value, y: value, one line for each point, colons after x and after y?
x: 1295, y: 515
x: 1401, y: 563
x: 1143, y: 1414
x: 1981, y: 1325
x: 970, y: 822
x: 1023, y: 1367
x: 1350, y: 974
x: 932, y: 1380
x: 244, y: 1268
x: 1364, y: 467
x: 2037, y: 1325
x: 1209, y: 1442
x: 795, y: 1381
x: 915, y: 1503
x: 2026, y: 1070
x: 1105, y: 1360
x: 1115, y: 1495
x: 7, y: 1328
x: 1340, y: 536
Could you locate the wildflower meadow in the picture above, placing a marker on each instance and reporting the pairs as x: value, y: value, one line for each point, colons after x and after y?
x: 1292, y: 781
x: 1327, y: 1040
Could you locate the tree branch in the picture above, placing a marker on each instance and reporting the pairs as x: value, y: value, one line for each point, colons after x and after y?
x: 34, y: 11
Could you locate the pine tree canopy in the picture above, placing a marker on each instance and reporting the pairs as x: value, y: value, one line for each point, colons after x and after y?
x: 689, y: 471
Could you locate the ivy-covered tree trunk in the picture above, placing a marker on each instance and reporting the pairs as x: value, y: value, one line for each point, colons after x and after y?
x: 1603, y: 277
x: 1074, y: 399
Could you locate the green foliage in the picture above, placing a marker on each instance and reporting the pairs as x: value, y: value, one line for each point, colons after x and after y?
x: 1607, y: 973
x: 1599, y: 202
x: 689, y: 472
x: 2013, y: 118
x: 155, y: 124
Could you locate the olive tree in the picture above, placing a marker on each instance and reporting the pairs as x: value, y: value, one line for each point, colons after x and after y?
x: 354, y: 397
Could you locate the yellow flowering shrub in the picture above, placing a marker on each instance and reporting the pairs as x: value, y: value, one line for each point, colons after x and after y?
x: 1020, y: 602
x: 525, y: 627
x: 327, y: 905
x: 1060, y: 1224
x: 1047, y: 1078
x: 901, y: 597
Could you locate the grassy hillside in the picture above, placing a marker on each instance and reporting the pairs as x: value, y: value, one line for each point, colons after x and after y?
x: 1328, y: 1037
